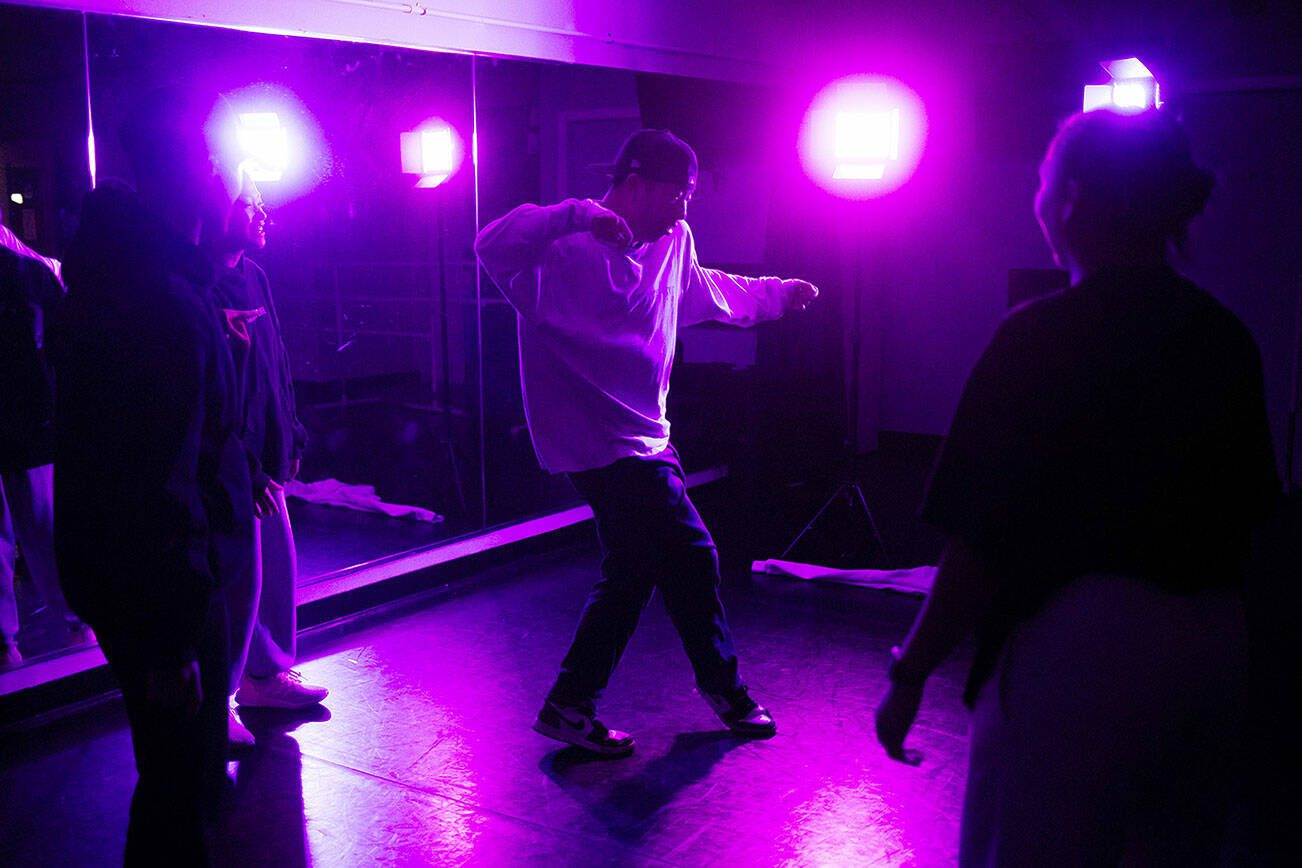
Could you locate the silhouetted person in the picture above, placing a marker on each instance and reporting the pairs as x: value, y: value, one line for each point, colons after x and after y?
x: 601, y: 289
x: 152, y: 504
x: 1106, y: 464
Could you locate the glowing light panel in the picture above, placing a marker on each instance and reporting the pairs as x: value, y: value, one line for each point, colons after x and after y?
x: 265, y: 144
x: 859, y: 172
x: 1130, y: 95
x: 1133, y: 88
x: 16, y: 198
x: 862, y: 136
x: 433, y: 152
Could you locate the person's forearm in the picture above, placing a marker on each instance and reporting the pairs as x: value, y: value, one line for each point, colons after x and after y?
x: 961, y: 591
x: 735, y: 299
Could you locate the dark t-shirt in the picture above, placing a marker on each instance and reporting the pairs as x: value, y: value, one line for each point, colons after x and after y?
x: 1116, y: 426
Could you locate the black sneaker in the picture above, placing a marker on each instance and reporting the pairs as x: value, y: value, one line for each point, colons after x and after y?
x: 740, y: 713
x: 581, y: 729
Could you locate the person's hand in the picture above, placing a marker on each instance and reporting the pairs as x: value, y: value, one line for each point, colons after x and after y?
x: 800, y: 293
x: 177, y: 688
x: 265, y: 502
x: 237, y: 323
x: 610, y: 228
x: 894, y: 719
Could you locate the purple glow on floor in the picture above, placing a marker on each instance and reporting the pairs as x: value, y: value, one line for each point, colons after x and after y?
x: 425, y: 755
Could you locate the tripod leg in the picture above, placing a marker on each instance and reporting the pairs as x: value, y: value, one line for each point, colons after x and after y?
x: 835, y: 494
x: 872, y: 523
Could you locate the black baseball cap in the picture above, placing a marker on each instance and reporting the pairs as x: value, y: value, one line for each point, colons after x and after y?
x: 656, y: 154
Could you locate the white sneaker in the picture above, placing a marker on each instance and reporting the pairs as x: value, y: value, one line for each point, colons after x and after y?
x: 582, y: 729
x: 237, y: 734
x: 282, y: 690
x: 740, y: 713
x: 80, y: 633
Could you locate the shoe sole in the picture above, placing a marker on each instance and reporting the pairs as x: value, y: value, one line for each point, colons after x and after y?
x: 758, y: 731
x: 288, y: 705
x: 568, y: 737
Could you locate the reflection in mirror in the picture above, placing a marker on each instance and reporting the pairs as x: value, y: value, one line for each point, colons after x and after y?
x: 541, y: 129
x: 540, y: 126
x: 362, y: 218
x: 44, y: 171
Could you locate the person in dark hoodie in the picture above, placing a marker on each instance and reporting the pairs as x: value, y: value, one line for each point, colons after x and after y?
x: 262, y: 609
x: 152, y: 504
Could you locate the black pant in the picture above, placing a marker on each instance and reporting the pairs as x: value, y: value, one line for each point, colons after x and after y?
x: 652, y: 537
x: 180, y: 759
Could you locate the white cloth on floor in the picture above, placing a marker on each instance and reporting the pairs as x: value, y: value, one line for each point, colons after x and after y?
x: 914, y: 580
x: 363, y: 498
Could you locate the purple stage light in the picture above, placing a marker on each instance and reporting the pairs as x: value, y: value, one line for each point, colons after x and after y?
x: 433, y: 152
x: 862, y: 136
x: 865, y: 141
x: 265, y: 144
x: 1133, y: 88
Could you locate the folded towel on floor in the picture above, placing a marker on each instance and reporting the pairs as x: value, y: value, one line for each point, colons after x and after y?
x: 363, y: 498
x: 914, y: 580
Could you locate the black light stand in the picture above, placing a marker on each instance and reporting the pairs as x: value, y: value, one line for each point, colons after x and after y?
x: 849, y: 485
x: 1291, y: 470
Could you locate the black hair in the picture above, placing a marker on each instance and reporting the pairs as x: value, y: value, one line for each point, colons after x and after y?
x: 1137, y: 181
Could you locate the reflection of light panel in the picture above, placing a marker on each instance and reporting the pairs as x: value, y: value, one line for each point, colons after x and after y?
x: 436, y: 151
x: 1133, y: 88
x: 430, y: 152
x: 16, y: 198
x: 265, y: 144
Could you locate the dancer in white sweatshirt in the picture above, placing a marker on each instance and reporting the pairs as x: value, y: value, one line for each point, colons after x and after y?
x: 601, y: 288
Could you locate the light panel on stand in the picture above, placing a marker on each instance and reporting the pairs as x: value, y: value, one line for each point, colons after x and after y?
x: 433, y: 152
x: 862, y: 136
x: 265, y: 144
x: 1133, y: 88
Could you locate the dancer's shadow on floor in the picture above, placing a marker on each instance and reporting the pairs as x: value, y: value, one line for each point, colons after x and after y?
x: 628, y: 806
x: 264, y: 823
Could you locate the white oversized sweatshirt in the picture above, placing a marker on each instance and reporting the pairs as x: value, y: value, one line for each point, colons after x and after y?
x: 598, y: 326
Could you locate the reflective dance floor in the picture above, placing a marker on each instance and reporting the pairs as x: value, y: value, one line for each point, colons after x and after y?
x: 423, y: 752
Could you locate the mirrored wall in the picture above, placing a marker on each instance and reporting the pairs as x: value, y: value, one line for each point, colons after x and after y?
x: 404, y: 357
